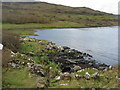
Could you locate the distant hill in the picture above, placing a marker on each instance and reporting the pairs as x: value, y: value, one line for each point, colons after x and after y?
x: 41, y: 12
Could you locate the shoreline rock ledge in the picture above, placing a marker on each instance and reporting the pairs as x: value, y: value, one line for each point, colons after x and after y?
x: 70, y: 60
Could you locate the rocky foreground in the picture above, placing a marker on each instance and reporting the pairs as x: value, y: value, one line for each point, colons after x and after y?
x: 70, y: 62
x: 69, y: 59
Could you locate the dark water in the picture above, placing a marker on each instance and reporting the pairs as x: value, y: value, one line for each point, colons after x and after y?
x: 101, y: 42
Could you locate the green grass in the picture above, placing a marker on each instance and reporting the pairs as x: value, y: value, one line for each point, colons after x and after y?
x: 36, y: 48
x: 29, y: 47
x: 18, y: 78
x: 90, y: 71
x: 29, y: 29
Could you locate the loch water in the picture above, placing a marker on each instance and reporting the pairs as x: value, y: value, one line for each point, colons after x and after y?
x: 100, y: 42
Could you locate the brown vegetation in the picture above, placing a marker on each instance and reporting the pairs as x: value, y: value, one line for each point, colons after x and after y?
x: 5, y: 57
x: 10, y: 41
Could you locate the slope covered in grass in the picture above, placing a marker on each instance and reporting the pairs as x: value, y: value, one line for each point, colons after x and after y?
x: 23, y: 18
x: 41, y: 12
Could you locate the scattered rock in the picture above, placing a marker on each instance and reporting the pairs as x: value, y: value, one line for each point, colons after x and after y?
x: 65, y: 47
x: 28, y: 39
x: 66, y: 69
x: 81, y: 70
x: 36, y: 69
x: 87, y: 76
x: 53, y: 73
x: 110, y: 67
x: 30, y: 54
x: 91, y: 64
x: 41, y: 83
x: 41, y: 43
x: 14, y: 65
x: 96, y: 75
x: 63, y: 84
x: 12, y: 53
x: 57, y: 78
x: 65, y: 76
x: 78, y: 77
x: 76, y: 68
x: 70, y: 59
x: 23, y: 63
x: 101, y: 68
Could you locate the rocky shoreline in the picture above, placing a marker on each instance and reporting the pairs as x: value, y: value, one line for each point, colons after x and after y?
x: 70, y: 60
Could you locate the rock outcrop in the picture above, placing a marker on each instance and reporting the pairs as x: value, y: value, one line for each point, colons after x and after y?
x: 66, y: 76
x: 36, y: 69
x: 41, y: 83
x: 70, y: 60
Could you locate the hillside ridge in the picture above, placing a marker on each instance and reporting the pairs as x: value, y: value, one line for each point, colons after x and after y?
x: 42, y: 12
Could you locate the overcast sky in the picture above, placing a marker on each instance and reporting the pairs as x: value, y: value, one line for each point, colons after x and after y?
x: 110, y: 6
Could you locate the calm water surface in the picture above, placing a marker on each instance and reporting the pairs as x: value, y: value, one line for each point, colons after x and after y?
x: 101, y: 42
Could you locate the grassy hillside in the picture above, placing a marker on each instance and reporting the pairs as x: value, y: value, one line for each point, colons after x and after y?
x: 45, y: 13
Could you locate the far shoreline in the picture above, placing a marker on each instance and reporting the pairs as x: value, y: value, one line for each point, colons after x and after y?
x: 69, y: 27
x: 75, y: 27
x: 30, y: 28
